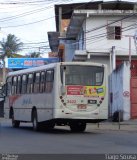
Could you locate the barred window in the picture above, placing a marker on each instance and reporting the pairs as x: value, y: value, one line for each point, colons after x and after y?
x: 114, y: 32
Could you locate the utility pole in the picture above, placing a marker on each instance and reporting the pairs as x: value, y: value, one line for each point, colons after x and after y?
x: 60, y: 19
x: 113, y: 58
x: 129, y: 36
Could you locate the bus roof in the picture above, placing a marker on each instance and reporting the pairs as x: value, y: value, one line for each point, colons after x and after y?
x: 52, y: 65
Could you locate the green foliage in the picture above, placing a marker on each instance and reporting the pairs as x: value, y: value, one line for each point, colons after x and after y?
x: 34, y: 55
x: 10, y: 46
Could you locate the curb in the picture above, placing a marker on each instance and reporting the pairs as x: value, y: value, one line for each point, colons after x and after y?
x: 114, y: 127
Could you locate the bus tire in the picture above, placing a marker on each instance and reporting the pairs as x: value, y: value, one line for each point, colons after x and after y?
x: 15, y: 123
x: 35, y: 121
x: 49, y: 125
x: 77, y: 126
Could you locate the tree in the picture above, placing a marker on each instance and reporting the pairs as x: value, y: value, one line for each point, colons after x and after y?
x: 34, y: 55
x: 9, y: 47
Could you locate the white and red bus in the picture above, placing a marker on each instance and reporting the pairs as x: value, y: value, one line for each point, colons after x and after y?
x: 66, y: 93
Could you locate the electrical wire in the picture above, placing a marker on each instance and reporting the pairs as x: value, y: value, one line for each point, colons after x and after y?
x: 102, y: 36
x: 44, y: 19
x: 24, y: 14
x: 27, y: 13
x: 27, y: 2
x: 95, y: 29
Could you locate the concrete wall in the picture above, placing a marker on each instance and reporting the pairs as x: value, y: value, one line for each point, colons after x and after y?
x: 120, y: 83
x: 101, y: 59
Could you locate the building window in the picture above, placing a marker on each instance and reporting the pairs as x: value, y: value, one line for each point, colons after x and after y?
x: 114, y: 32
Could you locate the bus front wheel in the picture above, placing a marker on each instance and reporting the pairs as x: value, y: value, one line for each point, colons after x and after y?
x: 77, y: 126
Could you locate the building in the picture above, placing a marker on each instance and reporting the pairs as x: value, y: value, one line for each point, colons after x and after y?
x: 96, y: 31
x: 102, y: 32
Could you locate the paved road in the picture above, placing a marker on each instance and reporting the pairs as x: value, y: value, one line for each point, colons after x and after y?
x: 61, y: 140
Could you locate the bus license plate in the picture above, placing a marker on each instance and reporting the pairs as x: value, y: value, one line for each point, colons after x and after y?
x: 92, y: 101
x: 82, y: 106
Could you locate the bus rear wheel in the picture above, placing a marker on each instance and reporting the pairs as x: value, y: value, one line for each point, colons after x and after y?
x: 77, y: 126
x: 35, y: 121
x: 49, y: 125
x: 15, y: 123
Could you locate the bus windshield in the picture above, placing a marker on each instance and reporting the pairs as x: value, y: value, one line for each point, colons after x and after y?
x: 82, y: 75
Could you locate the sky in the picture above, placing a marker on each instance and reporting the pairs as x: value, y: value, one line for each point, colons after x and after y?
x: 30, y: 20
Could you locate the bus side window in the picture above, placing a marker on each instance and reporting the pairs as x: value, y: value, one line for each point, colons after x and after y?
x: 14, y: 85
x: 42, y: 82
x: 49, y: 80
x: 37, y: 82
x: 24, y: 84
x: 9, y: 86
x: 30, y: 83
x: 19, y: 85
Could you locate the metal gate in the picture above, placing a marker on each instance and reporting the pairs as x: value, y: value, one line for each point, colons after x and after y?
x: 133, y: 97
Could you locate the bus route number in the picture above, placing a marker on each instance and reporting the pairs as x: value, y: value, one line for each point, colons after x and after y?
x: 72, y: 101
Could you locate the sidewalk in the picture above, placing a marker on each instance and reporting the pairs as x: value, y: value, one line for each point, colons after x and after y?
x: 130, y: 125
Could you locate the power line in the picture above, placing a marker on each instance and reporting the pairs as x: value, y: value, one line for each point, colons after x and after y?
x: 24, y: 14
x: 21, y: 25
x: 104, y: 34
x: 41, y: 47
x: 23, y: 6
x: 102, y: 26
x: 101, y: 36
x: 27, y: 2
x: 44, y: 19
x: 36, y: 42
x: 94, y: 29
x: 28, y: 13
